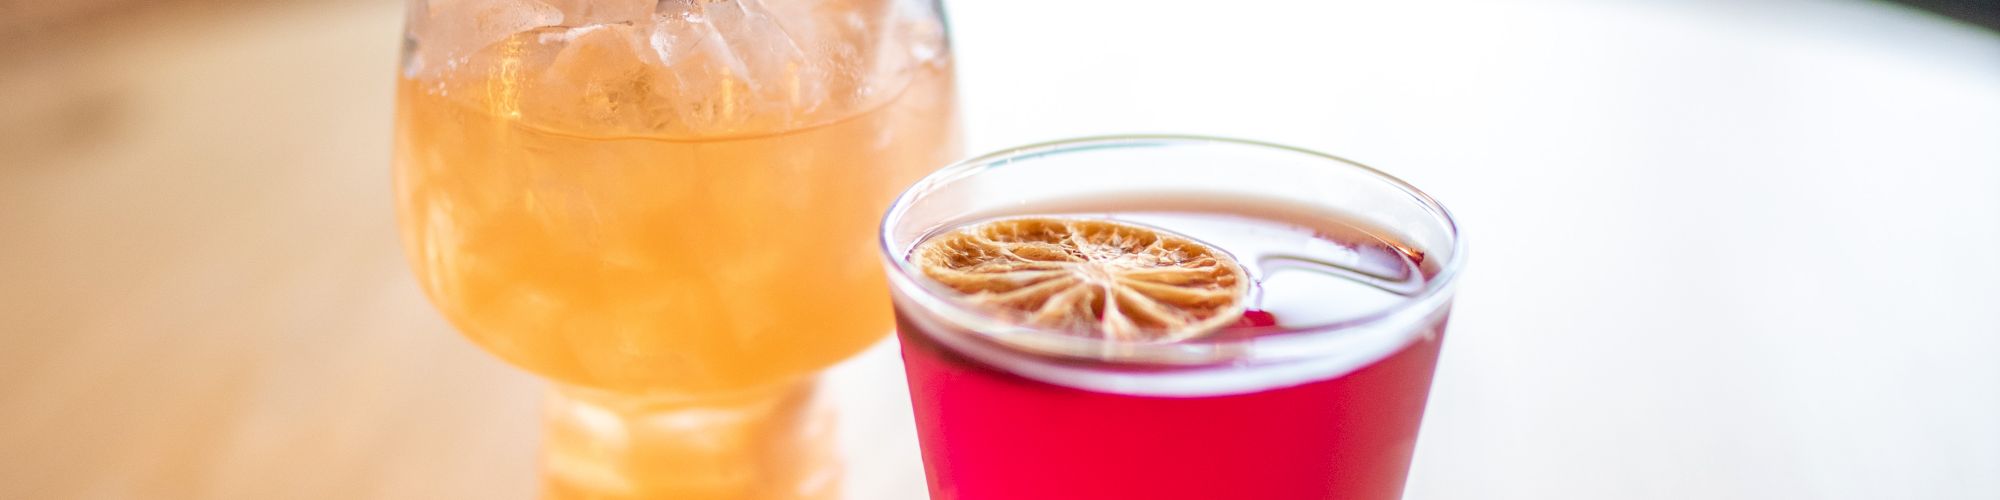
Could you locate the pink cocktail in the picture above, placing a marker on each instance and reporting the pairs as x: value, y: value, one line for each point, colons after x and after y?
x: 1315, y: 392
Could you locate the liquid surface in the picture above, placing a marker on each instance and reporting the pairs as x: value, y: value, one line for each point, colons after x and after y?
x: 1307, y: 269
x: 1305, y: 274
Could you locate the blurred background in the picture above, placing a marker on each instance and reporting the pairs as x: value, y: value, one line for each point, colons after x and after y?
x: 1722, y: 249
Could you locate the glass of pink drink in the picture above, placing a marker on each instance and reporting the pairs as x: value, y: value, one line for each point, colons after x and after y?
x: 1315, y: 392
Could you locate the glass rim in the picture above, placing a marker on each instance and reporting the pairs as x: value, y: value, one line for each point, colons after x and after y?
x: 1271, y: 343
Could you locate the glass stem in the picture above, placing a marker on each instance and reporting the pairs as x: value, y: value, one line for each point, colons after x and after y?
x: 772, y: 442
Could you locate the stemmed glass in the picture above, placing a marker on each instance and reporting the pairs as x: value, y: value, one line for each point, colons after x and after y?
x: 666, y: 209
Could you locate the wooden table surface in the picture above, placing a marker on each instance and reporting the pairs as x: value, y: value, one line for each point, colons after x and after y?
x: 204, y: 295
x: 1721, y: 249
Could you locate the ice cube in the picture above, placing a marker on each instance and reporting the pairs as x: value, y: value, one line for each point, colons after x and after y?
x: 455, y: 29
x: 733, y: 62
x: 605, y: 78
x: 686, y: 67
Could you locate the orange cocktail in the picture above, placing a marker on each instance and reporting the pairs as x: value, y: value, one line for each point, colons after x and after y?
x: 667, y: 207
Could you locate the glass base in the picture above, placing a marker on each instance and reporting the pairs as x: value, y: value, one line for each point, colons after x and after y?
x: 774, y: 443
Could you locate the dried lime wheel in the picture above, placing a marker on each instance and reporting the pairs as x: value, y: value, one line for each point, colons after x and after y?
x: 1104, y: 278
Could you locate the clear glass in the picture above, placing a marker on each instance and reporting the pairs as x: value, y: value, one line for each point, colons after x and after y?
x: 664, y: 207
x: 1314, y: 410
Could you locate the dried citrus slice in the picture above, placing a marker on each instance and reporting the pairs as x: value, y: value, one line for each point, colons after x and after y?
x: 1111, y: 279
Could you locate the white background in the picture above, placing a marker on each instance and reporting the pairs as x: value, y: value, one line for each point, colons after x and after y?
x: 1720, y: 250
